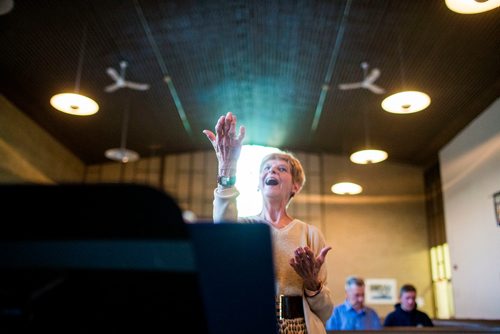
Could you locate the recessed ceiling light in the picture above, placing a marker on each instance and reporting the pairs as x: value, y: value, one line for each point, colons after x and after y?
x: 406, y: 102
x: 472, y: 6
x: 368, y: 156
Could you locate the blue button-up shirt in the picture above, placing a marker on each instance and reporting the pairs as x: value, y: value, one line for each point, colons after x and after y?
x: 344, y: 317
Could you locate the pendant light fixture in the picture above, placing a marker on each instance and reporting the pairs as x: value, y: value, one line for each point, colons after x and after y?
x: 405, y: 102
x: 122, y: 154
x: 6, y: 6
x: 472, y: 6
x: 346, y: 188
x: 75, y: 103
x: 368, y: 155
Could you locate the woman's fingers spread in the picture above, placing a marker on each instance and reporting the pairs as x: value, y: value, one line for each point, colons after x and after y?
x: 323, y: 252
x: 228, y: 122
x: 219, y: 127
x: 241, y: 135
x: 211, y: 136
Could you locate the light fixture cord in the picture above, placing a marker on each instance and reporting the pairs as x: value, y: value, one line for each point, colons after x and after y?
x: 123, y: 140
x: 400, y: 55
x: 80, y: 60
x: 367, y: 128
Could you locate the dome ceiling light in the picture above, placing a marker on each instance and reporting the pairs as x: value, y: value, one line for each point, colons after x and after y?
x: 406, y: 102
x: 122, y: 154
x: 346, y: 188
x: 368, y: 156
x: 75, y: 103
x: 472, y: 6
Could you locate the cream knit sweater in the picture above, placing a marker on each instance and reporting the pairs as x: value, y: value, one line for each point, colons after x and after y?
x: 317, y: 309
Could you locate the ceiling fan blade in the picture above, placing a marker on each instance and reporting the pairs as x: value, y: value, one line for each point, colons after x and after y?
x: 353, y: 85
x: 374, y: 74
x: 112, y: 73
x: 375, y: 89
x: 135, y: 85
x: 112, y: 88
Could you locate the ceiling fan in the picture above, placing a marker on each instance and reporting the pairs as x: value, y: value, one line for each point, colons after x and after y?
x: 368, y: 81
x: 120, y: 81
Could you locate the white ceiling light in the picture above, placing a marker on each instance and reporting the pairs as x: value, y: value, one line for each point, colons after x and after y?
x: 472, y: 6
x: 406, y: 102
x: 368, y: 156
x: 6, y: 6
x: 74, y: 104
x: 346, y: 188
x: 121, y: 154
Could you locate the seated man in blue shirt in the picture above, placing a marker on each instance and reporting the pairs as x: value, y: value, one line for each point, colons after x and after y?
x: 353, y: 314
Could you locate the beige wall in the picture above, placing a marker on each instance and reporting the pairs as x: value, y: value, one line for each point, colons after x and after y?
x: 381, y: 233
x: 30, y: 154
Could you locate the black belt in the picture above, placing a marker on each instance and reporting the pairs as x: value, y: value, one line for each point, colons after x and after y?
x: 289, y: 307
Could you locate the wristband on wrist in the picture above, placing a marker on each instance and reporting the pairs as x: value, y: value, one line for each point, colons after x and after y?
x: 313, y: 293
x: 226, y: 181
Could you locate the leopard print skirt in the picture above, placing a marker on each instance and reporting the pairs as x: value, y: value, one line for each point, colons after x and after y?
x: 292, y: 326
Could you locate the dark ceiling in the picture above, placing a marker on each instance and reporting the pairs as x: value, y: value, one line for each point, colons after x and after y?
x: 275, y: 64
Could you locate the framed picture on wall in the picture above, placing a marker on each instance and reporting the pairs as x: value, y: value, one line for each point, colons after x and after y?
x: 496, y: 202
x: 380, y: 291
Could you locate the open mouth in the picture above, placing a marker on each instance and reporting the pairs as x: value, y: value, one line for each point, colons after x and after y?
x: 271, y: 182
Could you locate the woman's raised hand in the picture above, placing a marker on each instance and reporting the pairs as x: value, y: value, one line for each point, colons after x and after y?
x: 226, y: 143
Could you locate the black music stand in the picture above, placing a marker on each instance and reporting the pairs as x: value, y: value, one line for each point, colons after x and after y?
x: 92, y: 258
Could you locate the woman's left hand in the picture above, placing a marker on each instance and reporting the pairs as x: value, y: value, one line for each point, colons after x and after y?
x: 226, y: 143
x: 307, y: 266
